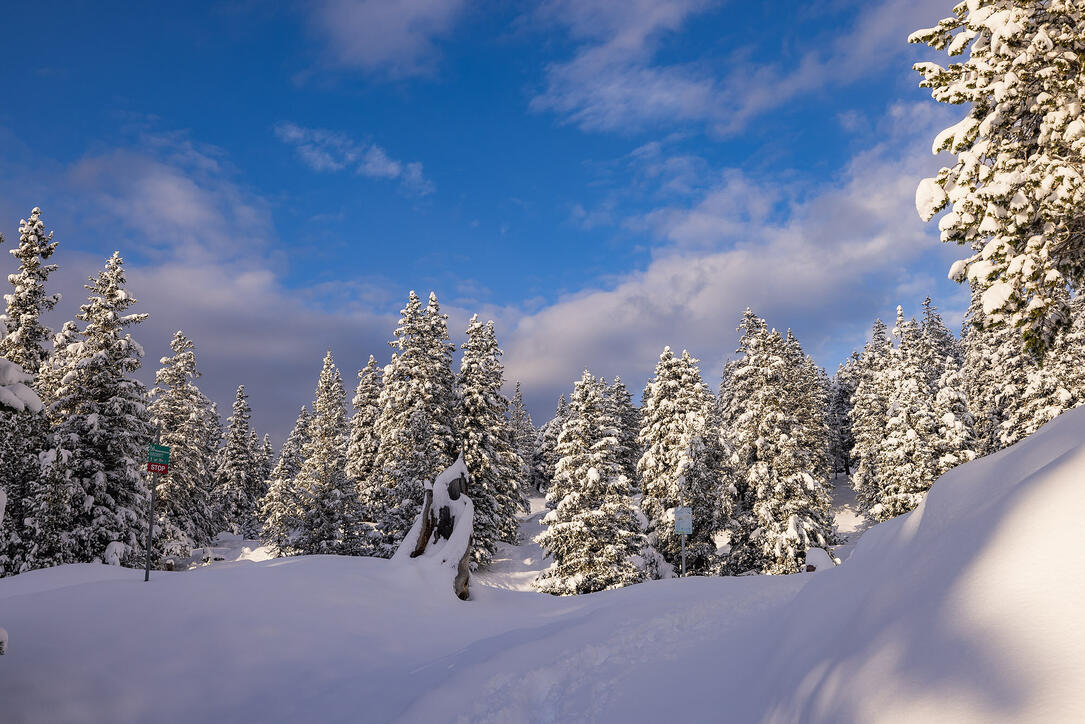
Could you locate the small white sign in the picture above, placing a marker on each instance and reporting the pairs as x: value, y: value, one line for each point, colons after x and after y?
x: 683, y: 520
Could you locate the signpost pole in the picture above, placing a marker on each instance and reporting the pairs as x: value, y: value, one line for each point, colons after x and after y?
x: 150, y: 515
x: 683, y: 555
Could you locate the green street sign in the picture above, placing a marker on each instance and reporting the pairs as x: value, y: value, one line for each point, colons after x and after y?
x: 158, y: 454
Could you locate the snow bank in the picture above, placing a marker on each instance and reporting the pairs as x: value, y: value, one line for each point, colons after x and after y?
x: 966, y: 610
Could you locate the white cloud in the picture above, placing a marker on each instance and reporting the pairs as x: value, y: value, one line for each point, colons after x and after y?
x: 614, y: 82
x: 323, y: 150
x: 394, y: 37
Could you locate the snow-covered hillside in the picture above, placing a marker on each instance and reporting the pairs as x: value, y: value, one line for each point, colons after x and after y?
x: 967, y: 609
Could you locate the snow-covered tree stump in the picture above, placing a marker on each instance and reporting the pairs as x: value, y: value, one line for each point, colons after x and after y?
x: 442, y: 534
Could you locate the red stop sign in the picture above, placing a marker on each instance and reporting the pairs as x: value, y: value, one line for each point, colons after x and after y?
x: 160, y: 468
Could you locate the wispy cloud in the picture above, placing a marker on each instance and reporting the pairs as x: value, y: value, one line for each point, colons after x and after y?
x: 615, y: 80
x: 323, y: 150
x: 395, y: 38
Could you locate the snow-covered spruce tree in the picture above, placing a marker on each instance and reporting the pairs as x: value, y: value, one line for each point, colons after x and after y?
x: 16, y: 396
x: 329, y: 505
x: 364, y: 439
x: 523, y: 440
x: 869, y: 415
x: 841, y: 391
x: 23, y: 344
x: 546, y: 443
x: 180, y: 411
x: 488, y: 451
x: 234, y: 506
x: 592, y: 530
x: 938, y: 343
x: 99, y: 446
x: 1017, y: 187
x: 680, y: 465
x: 780, y: 454
x: 909, y: 454
x: 954, y: 443
x: 629, y: 425
x: 280, y: 509
x: 261, y: 469
x: 52, y: 371
x: 418, y: 382
x: 397, y: 505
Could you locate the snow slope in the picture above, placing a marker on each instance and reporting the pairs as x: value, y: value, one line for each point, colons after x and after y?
x: 966, y: 610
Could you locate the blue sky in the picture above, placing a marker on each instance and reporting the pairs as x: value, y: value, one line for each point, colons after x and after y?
x: 600, y: 178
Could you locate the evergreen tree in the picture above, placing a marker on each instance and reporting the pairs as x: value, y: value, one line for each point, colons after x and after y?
x: 183, y: 507
x: 280, y: 509
x: 938, y: 343
x: 546, y: 444
x: 841, y: 392
x: 629, y: 425
x: 869, y: 415
x: 523, y: 440
x: 98, y: 448
x: 22, y: 344
x: 488, y: 451
x: 954, y: 443
x: 232, y: 498
x: 364, y: 440
x: 261, y: 453
x: 417, y: 384
x: 780, y: 451
x: 680, y: 465
x: 909, y: 455
x: 592, y: 531
x: 1016, y: 189
x: 329, y: 507
x: 24, y: 341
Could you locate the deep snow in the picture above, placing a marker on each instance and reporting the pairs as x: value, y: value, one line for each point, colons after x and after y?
x: 966, y: 610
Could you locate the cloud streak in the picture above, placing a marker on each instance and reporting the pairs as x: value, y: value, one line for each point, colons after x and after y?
x: 331, y: 151
x: 615, y: 82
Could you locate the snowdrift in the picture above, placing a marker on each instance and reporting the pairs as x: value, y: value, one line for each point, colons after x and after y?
x: 966, y: 610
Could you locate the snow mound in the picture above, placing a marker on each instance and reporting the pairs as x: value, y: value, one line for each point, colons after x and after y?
x: 965, y: 610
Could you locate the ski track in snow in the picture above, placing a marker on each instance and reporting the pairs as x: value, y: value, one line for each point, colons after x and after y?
x: 515, y: 567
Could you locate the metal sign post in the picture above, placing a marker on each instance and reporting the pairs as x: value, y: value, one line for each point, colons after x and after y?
x: 683, y: 525
x: 158, y: 463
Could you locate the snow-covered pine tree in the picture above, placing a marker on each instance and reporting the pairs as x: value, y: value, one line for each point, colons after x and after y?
x: 841, y: 391
x: 488, y: 451
x: 869, y: 414
x: 1018, y: 184
x: 523, y: 440
x: 15, y: 395
x: 592, y: 530
x: 329, y: 504
x: 397, y: 505
x: 52, y: 371
x: 99, y: 445
x: 418, y: 383
x: 260, y: 450
x: 546, y: 443
x: 938, y: 343
x: 629, y: 425
x: 280, y: 510
x: 779, y: 451
x: 22, y: 345
x: 439, y: 386
x: 364, y: 438
x: 954, y: 443
x: 680, y: 465
x: 234, y: 506
x: 909, y: 448
x: 24, y: 341
x: 180, y: 410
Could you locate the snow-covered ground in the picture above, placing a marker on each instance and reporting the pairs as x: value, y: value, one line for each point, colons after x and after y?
x: 966, y: 610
